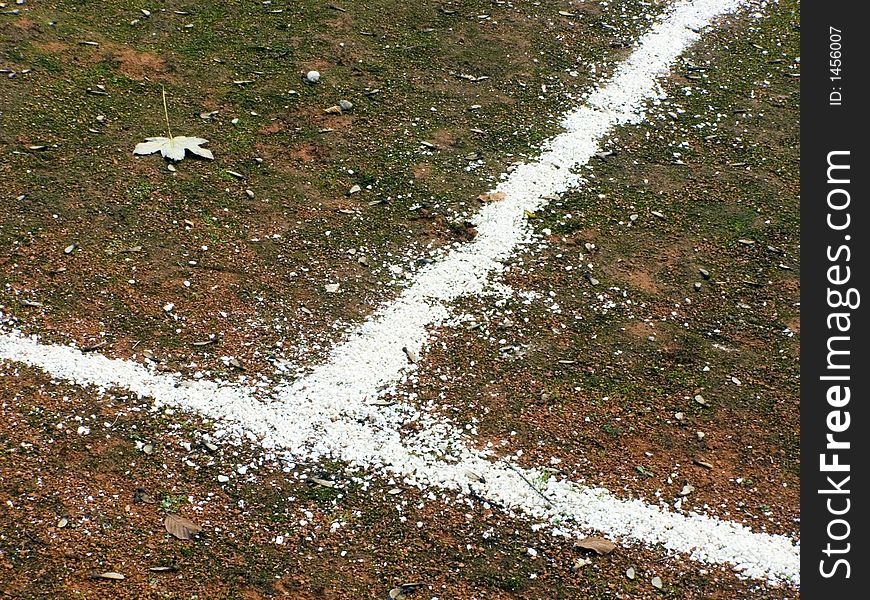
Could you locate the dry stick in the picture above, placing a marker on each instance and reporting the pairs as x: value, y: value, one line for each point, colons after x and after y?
x: 166, y: 112
x: 523, y: 477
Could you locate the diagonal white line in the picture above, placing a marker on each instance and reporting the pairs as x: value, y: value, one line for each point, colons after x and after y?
x: 329, y: 411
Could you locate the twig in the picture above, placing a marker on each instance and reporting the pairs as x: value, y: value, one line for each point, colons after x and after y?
x: 475, y: 496
x: 523, y: 477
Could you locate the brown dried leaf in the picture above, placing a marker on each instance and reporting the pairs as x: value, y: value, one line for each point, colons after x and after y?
x: 599, y: 545
x: 142, y: 495
x: 181, y: 527
x: 405, y: 590
x: 492, y: 197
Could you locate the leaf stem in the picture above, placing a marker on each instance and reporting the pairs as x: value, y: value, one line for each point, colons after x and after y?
x: 166, y: 112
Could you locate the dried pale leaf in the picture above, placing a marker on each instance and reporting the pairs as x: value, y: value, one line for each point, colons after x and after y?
x: 413, y: 357
x: 599, y: 545
x: 181, y: 527
x: 163, y: 569
x: 107, y: 575
x: 174, y: 148
x: 333, y: 110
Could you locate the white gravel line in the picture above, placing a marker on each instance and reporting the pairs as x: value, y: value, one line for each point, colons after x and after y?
x: 329, y: 412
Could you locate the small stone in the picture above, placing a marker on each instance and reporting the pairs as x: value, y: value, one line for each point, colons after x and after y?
x: 168, y: 307
x: 592, y: 280
x: 701, y: 400
x: 704, y: 273
x: 736, y: 381
x: 69, y: 249
x: 332, y: 287
x: 657, y: 582
x: 701, y: 435
x: 659, y: 215
x: 148, y: 449
x: 312, y: 76
x: 679, y: 416
x: 687, y: 489
x: 171, y: 168
x: 354, y: 190
x: 697, y: 286
x: 249, y: 194
x: 632, y: 218
x: 580, y: 563
x: 630, y: 573
x: 223, y: 478
x: 63, y: 522
x: 345, y: 105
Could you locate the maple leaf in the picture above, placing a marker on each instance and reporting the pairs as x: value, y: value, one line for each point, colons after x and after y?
x: 173, y: 147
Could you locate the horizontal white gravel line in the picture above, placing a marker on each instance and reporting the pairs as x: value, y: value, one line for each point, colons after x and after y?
x: 329, y: 412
